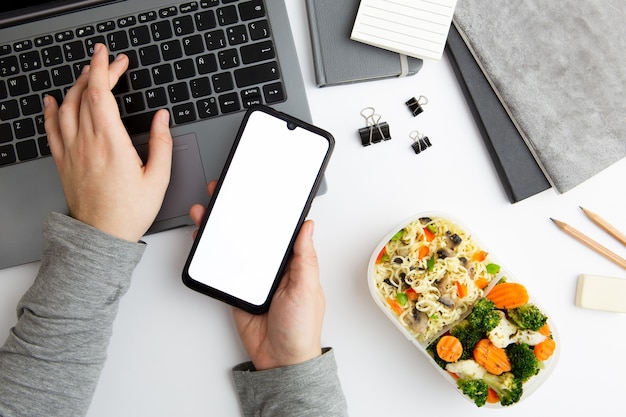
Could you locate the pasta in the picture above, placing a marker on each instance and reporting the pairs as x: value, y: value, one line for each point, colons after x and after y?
x: 430, y: 273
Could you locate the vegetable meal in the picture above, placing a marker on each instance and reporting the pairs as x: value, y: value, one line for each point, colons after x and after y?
x: 444, y: 292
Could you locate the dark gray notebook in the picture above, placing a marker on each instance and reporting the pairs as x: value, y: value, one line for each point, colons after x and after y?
x: 518, y: 170
x: 340, y: 60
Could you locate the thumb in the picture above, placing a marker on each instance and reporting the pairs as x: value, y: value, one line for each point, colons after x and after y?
x: 304, y: 261
x: 159, y: 161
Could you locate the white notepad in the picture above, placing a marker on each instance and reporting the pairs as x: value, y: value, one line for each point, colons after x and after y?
x: 416, y: 28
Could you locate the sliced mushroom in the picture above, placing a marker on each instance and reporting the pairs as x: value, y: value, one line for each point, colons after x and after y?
x: 417, y: 321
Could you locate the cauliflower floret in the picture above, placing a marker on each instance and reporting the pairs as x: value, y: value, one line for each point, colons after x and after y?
x: 500, y: 335
x: 467, y: 368
x: 506, y: 333
x: 529, y: 337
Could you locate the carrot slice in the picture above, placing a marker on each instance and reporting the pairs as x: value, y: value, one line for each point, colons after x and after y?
x: 449, y: 348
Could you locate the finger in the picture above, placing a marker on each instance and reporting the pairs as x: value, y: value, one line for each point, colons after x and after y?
x: 117, y: 69
x: 53, y: 130
x: 70, y: 109
x: 197, y: 213
x: 304, y: 263
x: 211, y: 186
x: 98, y: 97
x: 159, y: 164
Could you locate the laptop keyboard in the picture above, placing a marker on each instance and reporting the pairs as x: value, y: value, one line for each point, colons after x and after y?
x: 200, y: 59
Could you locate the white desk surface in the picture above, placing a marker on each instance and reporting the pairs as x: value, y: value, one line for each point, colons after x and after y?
x: 173, y: 348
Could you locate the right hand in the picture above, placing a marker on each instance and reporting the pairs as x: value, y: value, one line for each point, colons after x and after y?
x: 290, y: 332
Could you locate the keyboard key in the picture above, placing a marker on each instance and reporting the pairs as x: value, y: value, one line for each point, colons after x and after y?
x: 168, y: 12
x: 105, y: 26
x: 227, y: 15
x: 30, y: 61
x: 229, y: 103
x: 273, y: 93
x: 117, y: 41
x: 22, y: 45
x: 184, y: 113
x: 57, y: 94
x: 40, y: 80
x: 257, y: 74
x: 44, y: 148
x: 5, y: 50
x: 91, y: 43
x: 161, y: 30
x: 215, y: 39
x: 237, y: 35
x: 178, y: 92
x: 139, y: 35
x: 193, y: 45
x: 40, y: 124
x: 205, y: 20
x: 30, y: 105
x: 9, y: 66
x: 206, y: 64
x: 222, y: 82
x: 134, y: 103
x: 251, y: 10
x: 52, y: 56
x: 156, y: 98
x: 184, y: 69
x: 147, y: 17
x: 200, y: 87
x: 138, y: 123
x: 228, y: 59
x: 24, y: 128
x: 149, y: 55
x: 44, y: 40
x: 162, y: 74
x: 85, y: 31
x: 62, y: 76
x: 207, y: 108
x: 189, y: 7
x: 18, y: 85
x: 125, y: 22
x: 183, y: 25
x: 257, y: 52
x: 74, y: 51
x: 6, y: 133
x: 171, y: 50
x: 140, y: 79
x: 64, y: 36
x: 26, y: 150
x: 7, y: 155
x: 9, y: 110
x: 259, y: 30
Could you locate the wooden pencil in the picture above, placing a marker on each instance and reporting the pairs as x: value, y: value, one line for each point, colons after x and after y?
x: 605, y: 225
x: 590, y: 243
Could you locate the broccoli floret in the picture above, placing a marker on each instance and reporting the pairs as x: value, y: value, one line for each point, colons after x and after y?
x: 524, y: 363
x: 468, y: 335
x: 508, y: 388
x: 527, y: 316
x: 475, y: 389
x: 484, y: 315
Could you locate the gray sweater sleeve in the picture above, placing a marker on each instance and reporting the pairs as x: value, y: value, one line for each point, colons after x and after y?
x: 51, y: 361
x: 310, y: 388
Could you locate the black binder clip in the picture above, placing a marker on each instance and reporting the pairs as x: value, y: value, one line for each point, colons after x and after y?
x: 420, y: 142
x: 415, y: 105
x: 374, y: 131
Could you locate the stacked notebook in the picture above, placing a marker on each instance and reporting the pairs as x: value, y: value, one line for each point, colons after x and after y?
x: 519, y: 173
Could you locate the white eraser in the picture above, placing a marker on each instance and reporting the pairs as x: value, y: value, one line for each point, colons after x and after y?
x: 601, y: 293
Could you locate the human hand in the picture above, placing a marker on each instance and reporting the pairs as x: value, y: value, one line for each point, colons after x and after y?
x: 290, y: 332
x: 106, y: 184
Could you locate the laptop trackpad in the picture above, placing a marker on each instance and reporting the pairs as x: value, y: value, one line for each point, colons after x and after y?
x: 187, y: 183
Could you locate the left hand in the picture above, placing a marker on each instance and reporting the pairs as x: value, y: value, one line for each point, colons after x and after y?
x: 106, y: 184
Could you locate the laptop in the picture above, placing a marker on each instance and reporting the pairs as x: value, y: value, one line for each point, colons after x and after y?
x: 206, y: 61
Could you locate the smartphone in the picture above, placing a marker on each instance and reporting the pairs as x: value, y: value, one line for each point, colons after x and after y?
x: 262, y: 198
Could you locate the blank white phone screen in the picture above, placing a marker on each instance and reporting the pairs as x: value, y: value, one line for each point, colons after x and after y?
x: 258, y: 207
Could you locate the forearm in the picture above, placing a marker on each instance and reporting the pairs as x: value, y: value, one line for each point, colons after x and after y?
x: 51, y: 361
x: 311, y: 388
